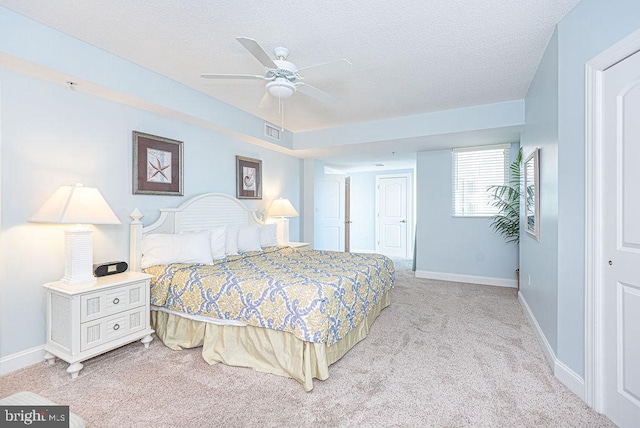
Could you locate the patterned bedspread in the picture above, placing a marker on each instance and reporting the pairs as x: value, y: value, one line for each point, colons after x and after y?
x: 319, y: 296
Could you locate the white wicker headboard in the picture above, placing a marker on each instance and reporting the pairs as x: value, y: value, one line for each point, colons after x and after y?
x: 198, y: 213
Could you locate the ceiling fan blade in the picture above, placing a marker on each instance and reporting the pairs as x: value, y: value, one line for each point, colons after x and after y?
x: 316, y: 93
x: 327, y: 69
x: 256, y: 50
x: 232, y: 76
x: 267, y: 101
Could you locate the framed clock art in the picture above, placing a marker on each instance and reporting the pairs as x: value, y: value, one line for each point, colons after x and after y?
x: 157, y: 165
x: 248, y: 178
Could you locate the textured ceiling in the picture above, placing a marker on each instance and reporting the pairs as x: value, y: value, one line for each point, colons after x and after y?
x: 408, y: 57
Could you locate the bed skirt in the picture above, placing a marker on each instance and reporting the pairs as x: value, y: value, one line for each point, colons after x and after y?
x: 262, y: 349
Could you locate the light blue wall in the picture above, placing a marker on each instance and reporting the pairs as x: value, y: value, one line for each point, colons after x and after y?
x: 539, y: 260
x: 52, y: 135
x: 23, y: 39
x: 483, y: 117
x: 455, y: 245
x: 363, y: 207
x: 590, y: 28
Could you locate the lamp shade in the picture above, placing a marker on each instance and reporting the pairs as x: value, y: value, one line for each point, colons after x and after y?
x: 75, y: 204
x: 282, y: 208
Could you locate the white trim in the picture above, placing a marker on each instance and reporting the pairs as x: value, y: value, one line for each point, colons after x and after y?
x: 22, y: 359
x: 542, y: 339
x: 569, y: 378
x: 594, y: 69
x: 560, y: 370
x: 501, y: 146
x: 1, y: 253
x: 471, y: 279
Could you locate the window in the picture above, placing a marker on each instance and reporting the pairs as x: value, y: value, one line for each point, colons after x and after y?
x: 475, y: 169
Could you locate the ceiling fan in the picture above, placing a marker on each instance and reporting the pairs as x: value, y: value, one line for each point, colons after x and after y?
x: 283, y: 77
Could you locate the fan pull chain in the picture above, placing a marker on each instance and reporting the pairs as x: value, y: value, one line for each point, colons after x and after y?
x: 281, y: 116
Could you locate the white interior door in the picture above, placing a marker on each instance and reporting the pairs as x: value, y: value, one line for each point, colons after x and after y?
x: 393, y: 215
x: 621, y: 243
x: 332, y: 211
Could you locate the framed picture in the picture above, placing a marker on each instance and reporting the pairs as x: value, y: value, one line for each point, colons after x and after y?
x: 532, y: 194
x: 248, y: 178
x: 157, y: 165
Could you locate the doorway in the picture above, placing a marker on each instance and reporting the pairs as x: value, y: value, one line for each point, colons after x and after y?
x: 333, y: 213
x: 393, y: 215
x: 612, y: 294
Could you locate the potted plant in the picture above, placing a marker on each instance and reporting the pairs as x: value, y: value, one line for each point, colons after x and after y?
x: 507, y: 199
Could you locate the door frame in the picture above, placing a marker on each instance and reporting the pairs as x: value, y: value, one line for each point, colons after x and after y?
x: 408, y: 176
x: 594, y: 261
x: 347, y: 214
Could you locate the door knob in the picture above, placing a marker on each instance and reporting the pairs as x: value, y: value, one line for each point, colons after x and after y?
x: 403, y: 221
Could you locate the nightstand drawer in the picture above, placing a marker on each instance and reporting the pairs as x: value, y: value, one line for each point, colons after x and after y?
x: 111, y: 301
x: 95, y: 333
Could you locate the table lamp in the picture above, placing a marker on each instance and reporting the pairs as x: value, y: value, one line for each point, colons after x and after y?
x: 77, y: 205
x: 282, y: 208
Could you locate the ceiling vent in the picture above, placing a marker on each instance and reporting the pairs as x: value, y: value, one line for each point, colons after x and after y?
x: 271, y: 131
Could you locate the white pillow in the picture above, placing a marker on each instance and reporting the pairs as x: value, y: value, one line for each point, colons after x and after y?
x: 218, y: 242
x: 249, y: 238
x: 164, y: 249
x: 269, y: 235
x: 232, y: 241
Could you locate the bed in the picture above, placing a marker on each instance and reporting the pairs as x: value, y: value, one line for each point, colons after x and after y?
x: 287, y: 311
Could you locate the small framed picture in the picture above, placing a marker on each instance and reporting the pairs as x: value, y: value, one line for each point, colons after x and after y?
x: 248, y: 178
x: 157, y: 165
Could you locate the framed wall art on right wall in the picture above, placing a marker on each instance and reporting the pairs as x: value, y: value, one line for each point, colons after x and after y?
x: 532, y: 194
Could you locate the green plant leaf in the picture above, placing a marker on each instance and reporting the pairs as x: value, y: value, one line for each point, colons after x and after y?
x: 507, y: 199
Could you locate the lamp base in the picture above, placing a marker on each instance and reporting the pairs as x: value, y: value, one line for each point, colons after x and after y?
x: 78, y: 255
x: 283, y: 230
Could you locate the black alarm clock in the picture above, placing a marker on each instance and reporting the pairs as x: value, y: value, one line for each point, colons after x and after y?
x: 109, y: 268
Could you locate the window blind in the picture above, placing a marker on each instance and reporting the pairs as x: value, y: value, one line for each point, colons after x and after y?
x: 475, y: 169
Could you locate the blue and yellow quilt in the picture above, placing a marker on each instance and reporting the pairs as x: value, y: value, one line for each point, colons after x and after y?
x: 318, y: 296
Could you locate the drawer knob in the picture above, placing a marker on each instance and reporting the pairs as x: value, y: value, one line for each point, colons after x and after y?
x: 116, y: 301
x: 116, y: 326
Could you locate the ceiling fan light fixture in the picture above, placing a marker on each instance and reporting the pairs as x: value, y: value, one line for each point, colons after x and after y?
x: 281, y: 88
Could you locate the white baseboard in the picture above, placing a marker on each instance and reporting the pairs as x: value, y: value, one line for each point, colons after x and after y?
x: 560, y: 370
x: 570, y: 378
x: 542, y: 339
x: 20, y: 360
x: 471, y: 279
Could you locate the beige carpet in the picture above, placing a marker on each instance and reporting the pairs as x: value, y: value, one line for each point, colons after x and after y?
x: 443, y: 354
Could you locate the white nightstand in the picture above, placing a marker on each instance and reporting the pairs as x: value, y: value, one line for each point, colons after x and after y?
x: 85, y: 320
x: 297, y: 244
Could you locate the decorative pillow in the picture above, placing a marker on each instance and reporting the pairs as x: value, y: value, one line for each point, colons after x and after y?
x: 232, y: 241
x: 269, y: 235
x: 249, y: 238
x: 218, y: 242
x: 165, y: 248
